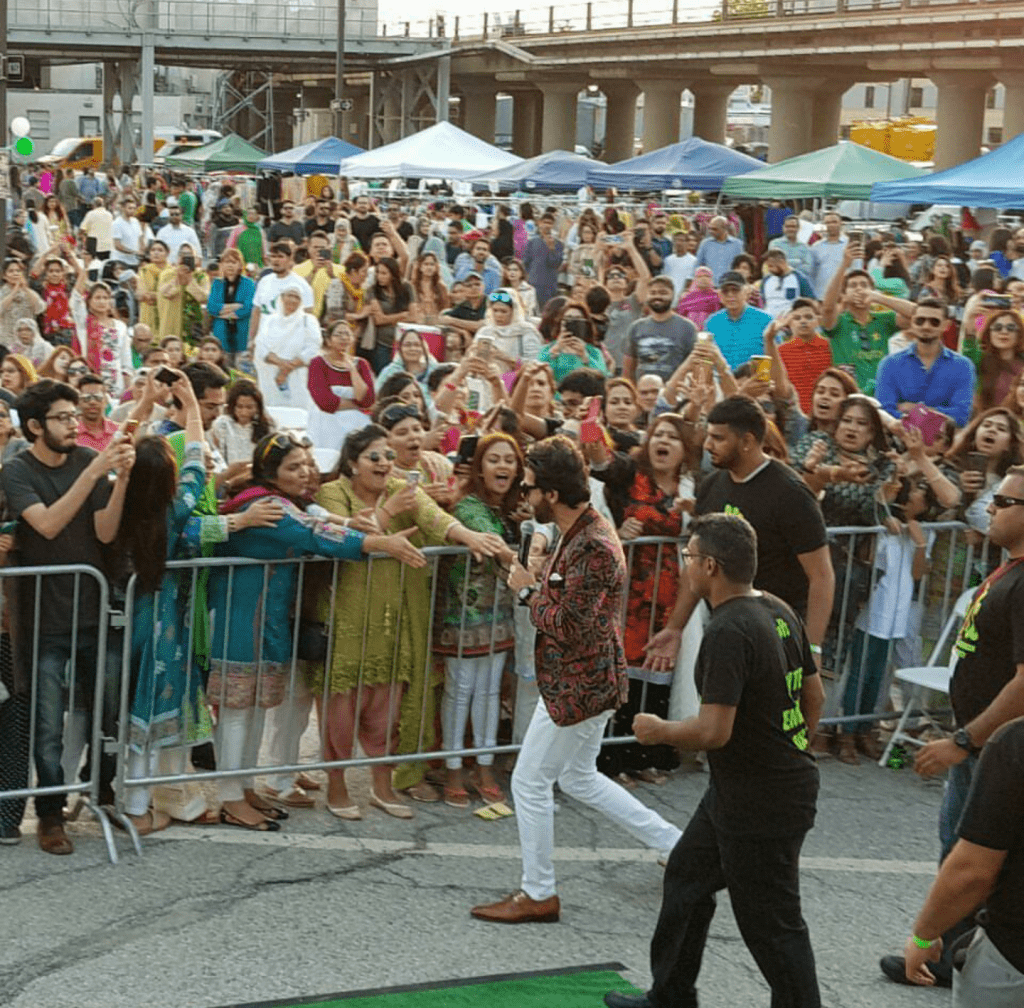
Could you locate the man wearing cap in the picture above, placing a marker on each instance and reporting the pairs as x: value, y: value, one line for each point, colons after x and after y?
x: 718, y: 250
x: 739, y: 327
x: 781, y: 285
x: 798, y: 253
x: 479, y: 260
x: 469, y: 314
x: 176, y: 233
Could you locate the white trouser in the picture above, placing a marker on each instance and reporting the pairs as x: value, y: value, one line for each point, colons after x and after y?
x: 286, y: 724
x: 140, y: 764
x: 526, y: 700
x: 987, y: 980
x: 472, y: 687
x: 569, y: 756
x: 237, y: 744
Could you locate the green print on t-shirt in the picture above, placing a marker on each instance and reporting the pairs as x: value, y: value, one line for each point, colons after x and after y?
x: 731, y: 509
x: 793, y: 719
x: 967, y: 638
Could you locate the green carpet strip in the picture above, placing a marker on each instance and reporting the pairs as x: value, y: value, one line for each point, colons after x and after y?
x: 572, y: 987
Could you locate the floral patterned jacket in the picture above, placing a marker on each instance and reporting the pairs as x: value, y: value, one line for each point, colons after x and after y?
x: 577, y: 610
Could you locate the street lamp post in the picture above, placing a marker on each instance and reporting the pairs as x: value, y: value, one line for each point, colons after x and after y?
x: 339, y: 103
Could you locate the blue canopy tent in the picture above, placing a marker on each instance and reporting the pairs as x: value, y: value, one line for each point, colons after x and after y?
x: 319, y: 157
x: 992, y: 180
x: 555, y: 171
x: 691, y: 164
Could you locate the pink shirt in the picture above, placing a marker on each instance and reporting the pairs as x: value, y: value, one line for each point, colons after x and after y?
x: 97, y: 441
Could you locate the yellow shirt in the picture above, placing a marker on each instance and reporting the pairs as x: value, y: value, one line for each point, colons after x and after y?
x: 320, y: 282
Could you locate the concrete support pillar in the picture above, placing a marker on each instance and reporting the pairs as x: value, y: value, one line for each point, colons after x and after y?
x: 791, y: 131
x: 710, y: 107
x: 526, y: 118
x: 619, y: 119
x: 1013, y: 103
x: 661, y: 112
x: 558, y: 128
x: 478, y: 109
x: 959, y: 115
x: 826, y: 113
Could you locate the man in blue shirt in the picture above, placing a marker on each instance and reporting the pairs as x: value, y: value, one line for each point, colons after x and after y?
x: 927, y: 372
x: 718, y: 250
x: 479, y: 260
x: 798, y: 253
x: 739, y: 327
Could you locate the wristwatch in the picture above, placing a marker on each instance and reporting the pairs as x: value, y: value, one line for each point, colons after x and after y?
x: 962, y: 739
x: 524, y: 594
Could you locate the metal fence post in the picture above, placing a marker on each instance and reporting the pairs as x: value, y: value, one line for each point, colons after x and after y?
x: 629, y: 14
x: 551, y: 20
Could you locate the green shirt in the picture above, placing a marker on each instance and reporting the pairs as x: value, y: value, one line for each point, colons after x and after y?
x: 188, y: 202
x: 859, y: 348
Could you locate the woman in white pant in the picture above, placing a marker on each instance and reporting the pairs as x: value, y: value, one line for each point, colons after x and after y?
x: 476, y: 628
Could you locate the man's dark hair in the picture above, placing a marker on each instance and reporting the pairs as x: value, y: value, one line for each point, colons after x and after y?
x: 203, y: 376
x: 926, y: 302
x: 558, y: 464
x: 741, y: 415
x: 320, y: 234
x: 35, y: 402
x: 858, y: 273
x: 282, y: 248
x: 804, y: 303
x: 90, y: 379
x: 438, y: 375
x: 597, y: 299
x: 732, y: 541
x: 586, y: 381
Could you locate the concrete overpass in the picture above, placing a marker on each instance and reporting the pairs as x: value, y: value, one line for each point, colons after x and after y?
x: 809, y: 52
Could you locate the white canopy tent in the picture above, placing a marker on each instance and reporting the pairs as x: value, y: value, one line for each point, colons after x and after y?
x: 440, y: 151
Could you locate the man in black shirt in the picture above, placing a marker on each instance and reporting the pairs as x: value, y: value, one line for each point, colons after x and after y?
x: 761, y: 697
x: 792, y: 549
x: 986, y: 867
x: 987, y: 689
x: 364, y: 224
x: 469, y: 314
x: 287, y: 227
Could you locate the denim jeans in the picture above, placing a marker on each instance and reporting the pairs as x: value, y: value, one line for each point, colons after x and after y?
x: 874, y: 653
x: 53, y: 699
x: 762, y: 875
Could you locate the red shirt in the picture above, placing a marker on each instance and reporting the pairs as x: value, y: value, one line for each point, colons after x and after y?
x: 96, y: 441
x: 805, y: 360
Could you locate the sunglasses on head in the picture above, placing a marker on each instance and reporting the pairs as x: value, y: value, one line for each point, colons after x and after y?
x: 277, y: 441
x: 400, y: 411
x: 928, y: 320
x: 502, y: 296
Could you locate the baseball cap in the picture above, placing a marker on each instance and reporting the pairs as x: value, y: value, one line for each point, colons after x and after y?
x: 732, y: 279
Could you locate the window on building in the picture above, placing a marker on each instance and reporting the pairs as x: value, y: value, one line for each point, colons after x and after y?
x: 990, y: 98
x: 99, y: 76
x: 994, y: 136
x: 39, y: 119
x: 869, y: 96
x: 844, y: 132
x: 916, y: 97
x: 88, y: 125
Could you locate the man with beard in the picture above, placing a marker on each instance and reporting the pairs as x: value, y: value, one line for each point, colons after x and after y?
x: 927, y: 373
x: 661, y: 341
x: 282, y: 274
x: 66, y: 508
x: 576, y: 606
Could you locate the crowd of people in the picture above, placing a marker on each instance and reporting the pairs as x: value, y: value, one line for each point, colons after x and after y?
x: 187, y: 376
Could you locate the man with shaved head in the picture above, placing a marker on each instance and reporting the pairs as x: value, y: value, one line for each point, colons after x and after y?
x: 718, y: 250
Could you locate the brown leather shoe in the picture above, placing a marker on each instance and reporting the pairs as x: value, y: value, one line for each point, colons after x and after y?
x: 518, y: 908
x: 52, y: 837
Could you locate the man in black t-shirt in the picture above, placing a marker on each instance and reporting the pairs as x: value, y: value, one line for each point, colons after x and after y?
x: 287, y: 227
x: 985, y: 867
x: 761, y: 697
x: 793, y: 561
x: 364, y: 224
x: 987, y: 689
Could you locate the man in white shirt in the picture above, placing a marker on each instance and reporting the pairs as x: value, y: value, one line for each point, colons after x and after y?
x: 98, y: 225
x: 682, y: 261
x: 827, y: 254
x: 129, y: 233
x: 281, y: 275
x: 781, y: 284
x: 175, y: 233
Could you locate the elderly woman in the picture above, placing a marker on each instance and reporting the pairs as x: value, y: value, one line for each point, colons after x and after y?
x: 29, y: 343
x: 230, y: 304
x: 17, y: 300
x: 285, y: 344
x: 380, y: 663
x: 411, y: 355
x: 340, y: 388
x: 183, y: 292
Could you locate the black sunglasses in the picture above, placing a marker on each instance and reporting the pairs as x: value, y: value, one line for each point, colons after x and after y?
x: 928, y: 320
x: 525, y: 488
x: 376, y: 456
x: 1001, y: 501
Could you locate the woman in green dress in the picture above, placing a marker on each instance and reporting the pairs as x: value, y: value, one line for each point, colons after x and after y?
x: 381, y: 664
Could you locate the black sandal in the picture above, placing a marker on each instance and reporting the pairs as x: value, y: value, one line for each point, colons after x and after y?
x: 270, y: 811
x: 263, y: 826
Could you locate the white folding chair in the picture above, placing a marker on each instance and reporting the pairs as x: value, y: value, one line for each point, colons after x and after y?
x: 326, y: 458
x: 928, y: 677
x: 289, y: 417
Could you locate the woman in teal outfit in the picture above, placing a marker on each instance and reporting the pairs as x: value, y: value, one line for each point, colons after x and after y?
x: 251, y: 650
x: 168, y: 708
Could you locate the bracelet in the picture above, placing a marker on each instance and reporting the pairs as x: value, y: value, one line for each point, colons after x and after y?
x: 922, y: 943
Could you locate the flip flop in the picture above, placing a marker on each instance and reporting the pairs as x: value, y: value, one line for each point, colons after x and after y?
x: 263, y: 826
x: 456, y: 797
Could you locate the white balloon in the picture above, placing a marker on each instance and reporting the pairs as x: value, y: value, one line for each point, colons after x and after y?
x: 20, y: 126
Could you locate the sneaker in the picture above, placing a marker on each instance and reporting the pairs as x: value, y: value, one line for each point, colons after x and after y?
x: 9, y: 835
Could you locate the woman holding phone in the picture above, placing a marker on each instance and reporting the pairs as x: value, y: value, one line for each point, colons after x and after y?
x: 573, y: 346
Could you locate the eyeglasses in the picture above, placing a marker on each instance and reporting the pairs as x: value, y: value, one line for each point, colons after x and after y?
x: 526, y: 488
x: 65, y: 418
x: 502, y: 296
x: 1005, y: 327
x: 376, y: 456
x: 1001, y: 501
x: 397, y: 412
x: 92, y: 397
x: 697, y: 556
x: 928, y: 320
x: 78, y: 369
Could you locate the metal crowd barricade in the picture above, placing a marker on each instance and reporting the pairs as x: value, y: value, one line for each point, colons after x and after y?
x: 389, y: 614
x: 55, y: 703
